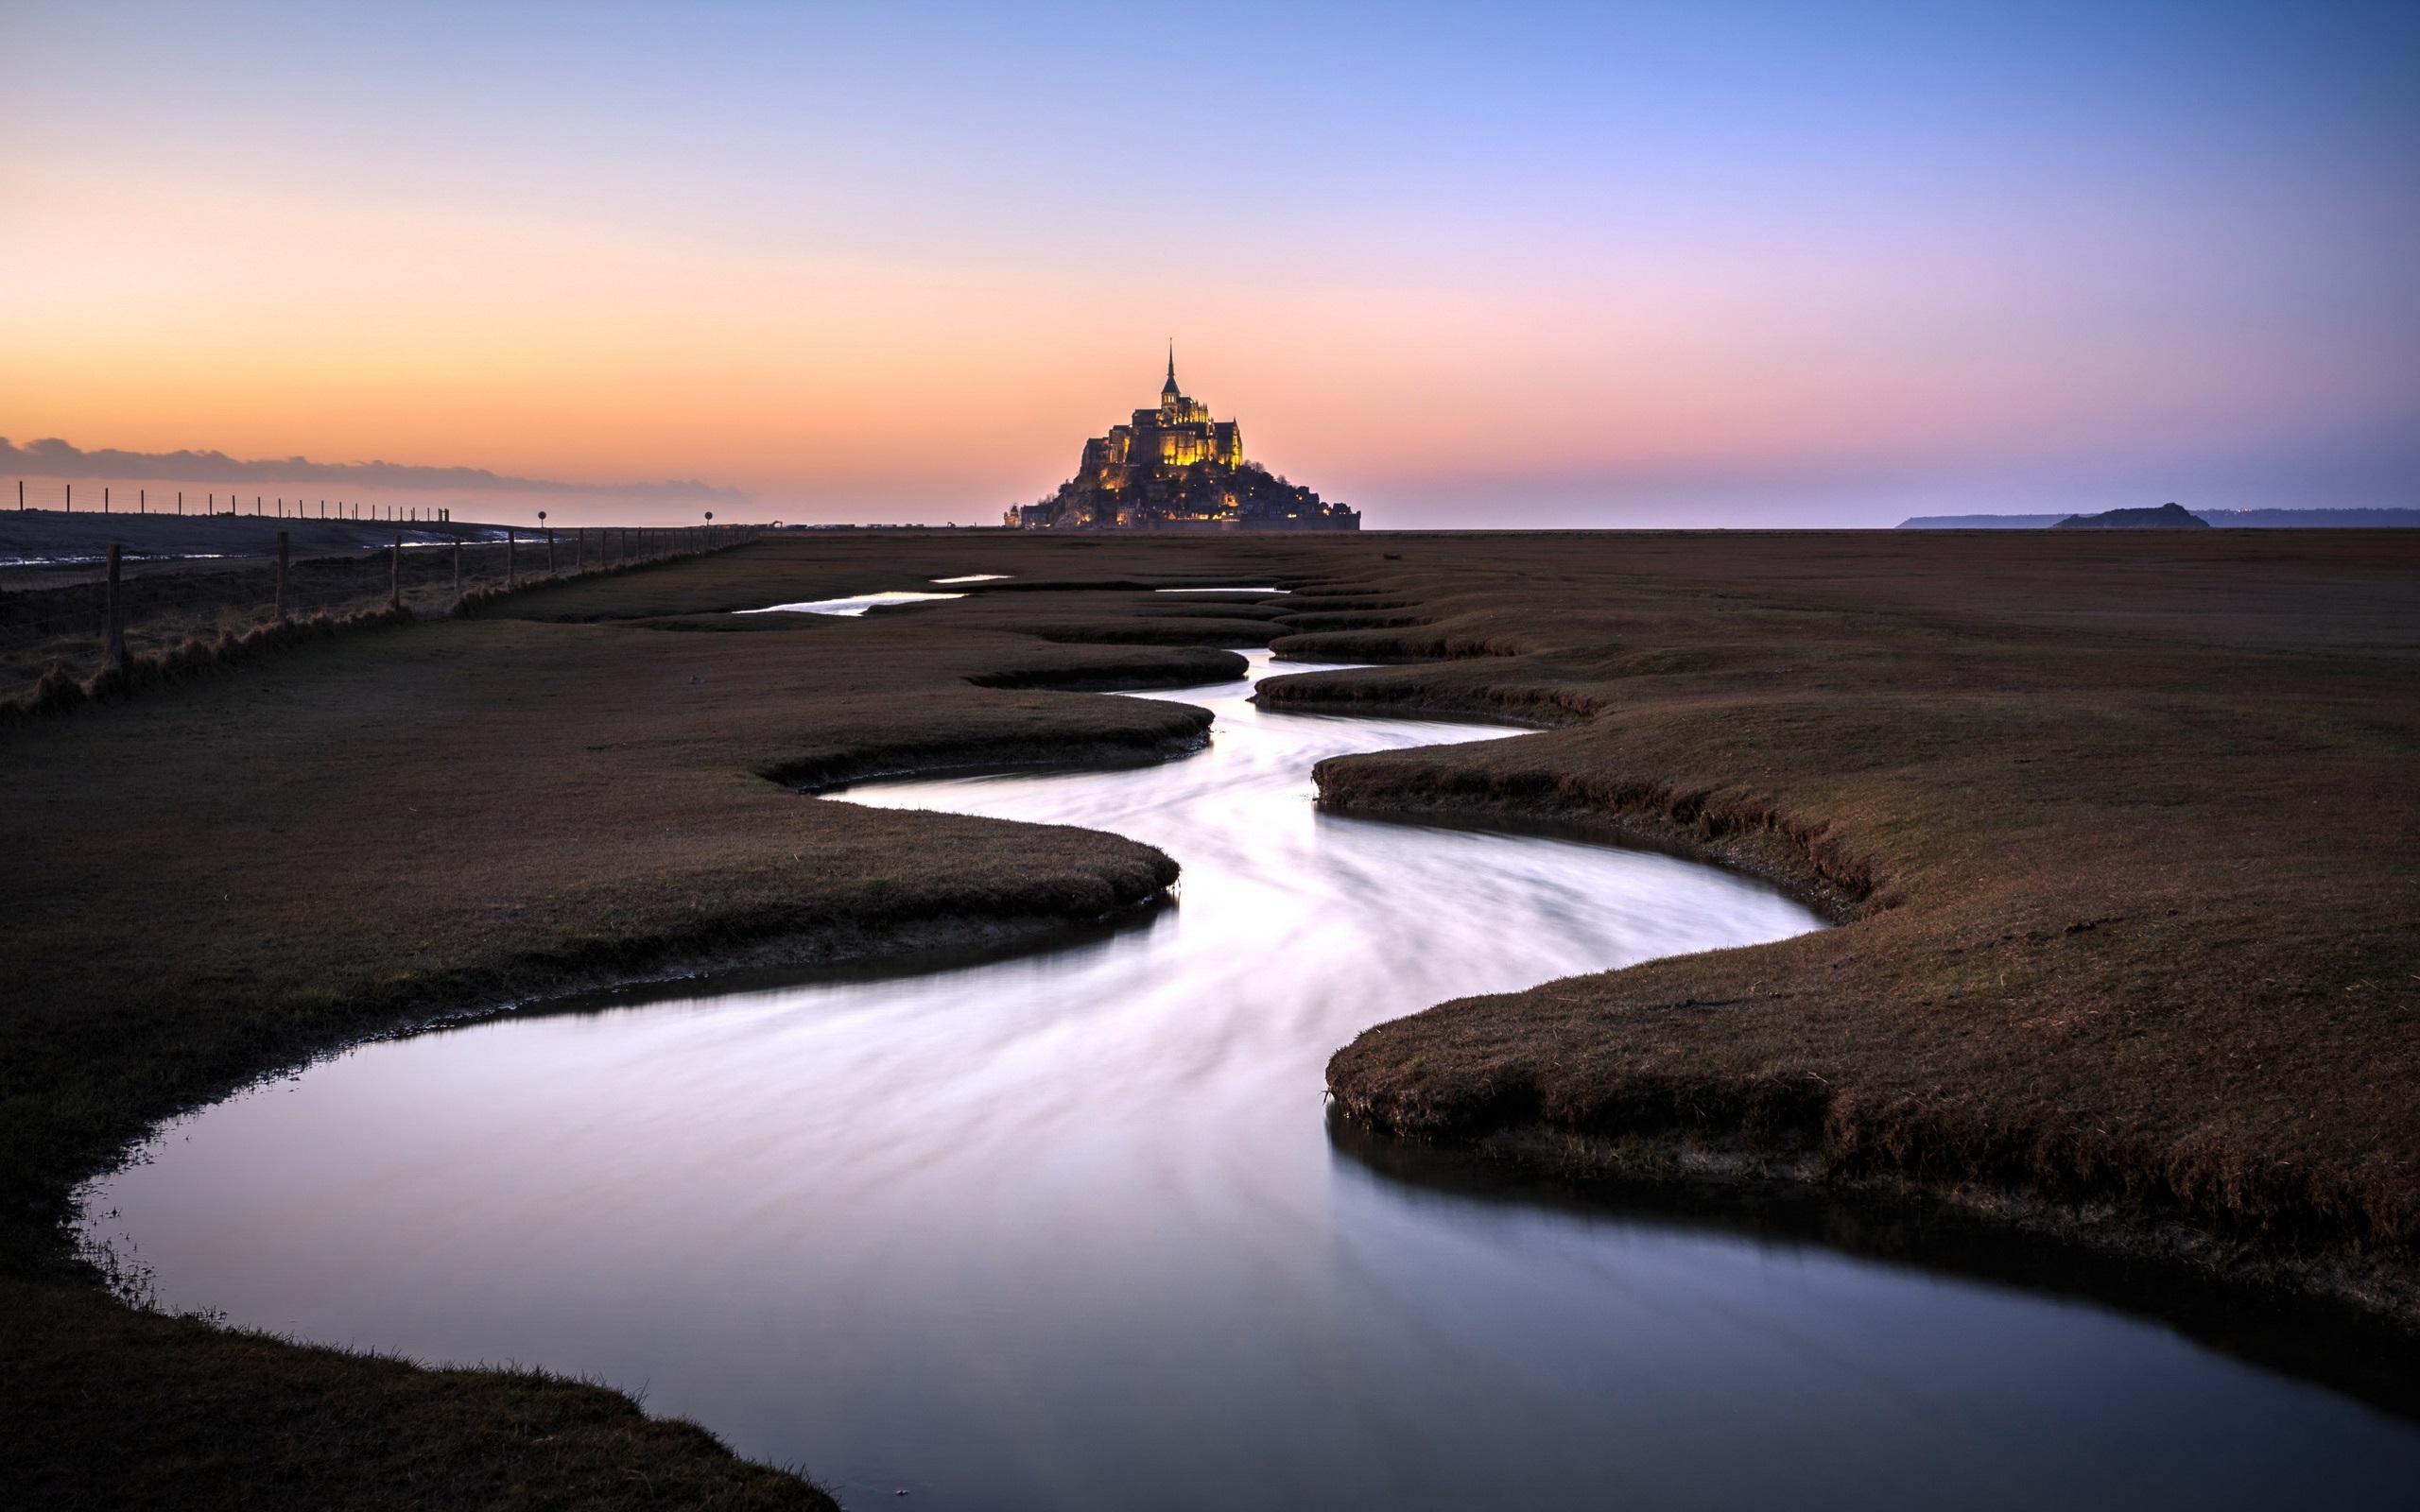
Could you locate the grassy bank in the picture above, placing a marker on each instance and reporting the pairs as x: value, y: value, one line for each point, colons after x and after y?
x: 2122, y: 832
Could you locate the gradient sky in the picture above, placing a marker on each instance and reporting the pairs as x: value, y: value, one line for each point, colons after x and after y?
x: 1484, y: 265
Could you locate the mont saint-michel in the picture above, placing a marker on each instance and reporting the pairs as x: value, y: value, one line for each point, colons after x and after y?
x: 1174, y: 468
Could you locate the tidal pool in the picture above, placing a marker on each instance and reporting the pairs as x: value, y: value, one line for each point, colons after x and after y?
x: 1067, y: 1229
x: 856, y: 604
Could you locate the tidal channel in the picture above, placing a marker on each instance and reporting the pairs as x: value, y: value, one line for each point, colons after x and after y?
x: 1069, y: 1229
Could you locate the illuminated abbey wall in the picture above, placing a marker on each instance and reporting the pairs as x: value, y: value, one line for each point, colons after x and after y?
x: 1175, y: 467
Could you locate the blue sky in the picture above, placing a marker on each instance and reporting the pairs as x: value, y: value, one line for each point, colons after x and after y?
x: 1506, y: 264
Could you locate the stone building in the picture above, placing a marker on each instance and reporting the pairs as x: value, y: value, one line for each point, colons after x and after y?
x: 1174, y: 468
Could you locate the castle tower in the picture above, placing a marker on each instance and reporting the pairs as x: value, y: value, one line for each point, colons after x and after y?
x: 1175, y: 467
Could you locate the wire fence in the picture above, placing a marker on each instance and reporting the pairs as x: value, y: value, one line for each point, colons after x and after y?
x: 141, y: 499
x: 78, y: 632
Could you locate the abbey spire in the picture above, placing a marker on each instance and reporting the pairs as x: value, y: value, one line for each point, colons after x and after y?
x: 1174, y: 468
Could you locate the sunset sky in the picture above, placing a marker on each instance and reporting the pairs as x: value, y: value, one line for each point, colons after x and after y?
x: 1459, y: 265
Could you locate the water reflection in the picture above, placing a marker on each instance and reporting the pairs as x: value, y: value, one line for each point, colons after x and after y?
x: 1066, y: 1229
x: 2326, y: 1342
x: 855, y: 604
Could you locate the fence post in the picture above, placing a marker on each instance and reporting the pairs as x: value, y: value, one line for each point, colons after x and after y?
x: 512, y: 558
x: 458, y: 564
x: 550, y: 551
x: 113, y: 649
x: 395, y: 574
x: 280, y: 574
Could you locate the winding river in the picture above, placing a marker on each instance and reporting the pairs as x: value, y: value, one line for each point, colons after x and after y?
x: 1067, y: 1229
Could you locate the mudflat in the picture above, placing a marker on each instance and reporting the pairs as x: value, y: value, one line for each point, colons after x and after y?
x: 2118, y: 826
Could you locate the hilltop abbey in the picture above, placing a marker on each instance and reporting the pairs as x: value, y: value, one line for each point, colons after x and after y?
x: 1174, y: 468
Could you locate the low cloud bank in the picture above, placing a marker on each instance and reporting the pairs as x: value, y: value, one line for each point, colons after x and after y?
x: 59, y: 459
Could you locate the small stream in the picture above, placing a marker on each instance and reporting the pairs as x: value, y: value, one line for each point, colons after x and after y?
x: 1069, y: 1229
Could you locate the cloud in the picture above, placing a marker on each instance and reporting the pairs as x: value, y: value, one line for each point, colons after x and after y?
x: 56, y: 458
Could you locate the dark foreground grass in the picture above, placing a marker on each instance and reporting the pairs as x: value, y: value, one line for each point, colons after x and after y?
x: 133, y: 1409
x: 2121, y: 825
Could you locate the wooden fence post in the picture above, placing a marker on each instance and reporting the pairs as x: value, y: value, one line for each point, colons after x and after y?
x: 113, y: 649
x: 550, y: 551
x: 512, y: 558
x: 458, y: 564
x: 280, y: 574
x: 395, y: 574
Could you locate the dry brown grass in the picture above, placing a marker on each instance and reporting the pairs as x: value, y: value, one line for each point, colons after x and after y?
x: 2123, y: 826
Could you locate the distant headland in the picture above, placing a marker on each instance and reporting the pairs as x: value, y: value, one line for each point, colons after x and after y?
x: 1174, y: 468
x: 2361, y: 519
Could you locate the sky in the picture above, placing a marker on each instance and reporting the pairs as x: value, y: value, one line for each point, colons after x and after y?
x: 1707, y: 264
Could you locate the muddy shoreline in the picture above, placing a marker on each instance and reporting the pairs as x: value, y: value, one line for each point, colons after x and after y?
x: 1751, y: 1149
x: 1890, y: 1062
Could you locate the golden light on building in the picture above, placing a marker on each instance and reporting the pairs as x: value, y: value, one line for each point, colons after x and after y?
x: 1173, y: 467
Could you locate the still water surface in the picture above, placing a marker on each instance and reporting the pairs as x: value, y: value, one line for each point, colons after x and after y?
x: 1067, y: 1231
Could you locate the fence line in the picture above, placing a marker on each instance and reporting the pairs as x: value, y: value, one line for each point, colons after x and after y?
x: 613, y: 549
x: 207, y: 504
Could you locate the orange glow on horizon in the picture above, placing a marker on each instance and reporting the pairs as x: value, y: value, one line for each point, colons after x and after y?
x: 226, y: 316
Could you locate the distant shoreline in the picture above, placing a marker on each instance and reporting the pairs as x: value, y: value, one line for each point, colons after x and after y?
x: 2224, y: 519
